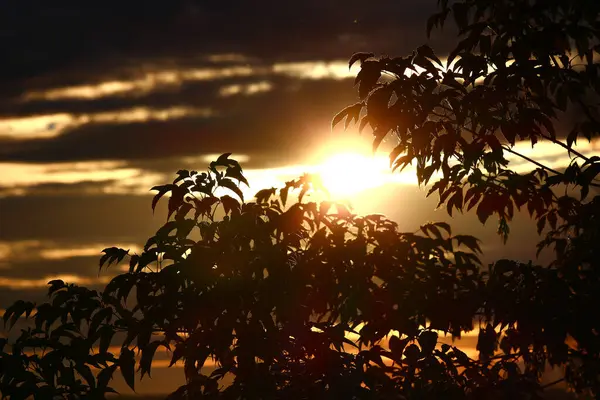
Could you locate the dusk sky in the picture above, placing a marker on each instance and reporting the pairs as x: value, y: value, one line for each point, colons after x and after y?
x: 101, y: 100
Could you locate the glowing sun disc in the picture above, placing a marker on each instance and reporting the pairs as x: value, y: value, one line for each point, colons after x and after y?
x: 346, y: 174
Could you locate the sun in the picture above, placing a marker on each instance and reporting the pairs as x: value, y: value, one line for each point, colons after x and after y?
x: 348, y: 173
x: 346, y: 167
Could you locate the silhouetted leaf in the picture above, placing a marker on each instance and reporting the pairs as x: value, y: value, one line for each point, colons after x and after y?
x: 105, y: 376
x: 161, y: 192
x: 229, y: 184
x: 127, y: 366
x: 106, y: 333
x: 350, y: 113
x: 359, y: 57
x: 99, y: 317
x: 236, y: 173
x: 264, y: 195
x: 230, y: 204
x: 147, y: 357
x: 427, y: 341
x: 397, y: 346
x: 428, y: 52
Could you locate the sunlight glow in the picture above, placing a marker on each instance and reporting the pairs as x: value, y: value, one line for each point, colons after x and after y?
x: 27, y: 284
x: 228, y: 58
x: 317, y: 70
x: 89, y: 251
x: 207, y: 158
x: 109, y: 177
x: 20, y: 251
x: 345, y: 174
x: 152, y: 78
x: 149, y: 78
x: 347, y: 167
x: 36, y: 126
x: 247, y: 89
x: 14, y: 174
x: 53, y: 125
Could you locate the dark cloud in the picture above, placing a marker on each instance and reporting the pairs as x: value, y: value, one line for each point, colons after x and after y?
x: 39, y: 38
x: 9, y: 296
x: 104, y: 219
x: 40, y: 268
x: 82, y: 188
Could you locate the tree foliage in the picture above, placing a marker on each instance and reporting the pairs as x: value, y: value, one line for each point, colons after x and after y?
x: 519, y: 66
x: 274, y: 294
x: 523, y: 71
x: 289, y: 298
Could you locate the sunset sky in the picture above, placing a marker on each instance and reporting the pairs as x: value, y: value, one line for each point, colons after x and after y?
x: 101, y: 100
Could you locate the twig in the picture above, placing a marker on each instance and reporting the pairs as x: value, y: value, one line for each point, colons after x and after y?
x: 552, y: 383
x: 564, y: 146
x: 531, y: 160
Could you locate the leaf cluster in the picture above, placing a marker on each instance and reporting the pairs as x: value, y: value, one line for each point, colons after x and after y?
x: 273, y: 293
x: 521, y: 72
x: 517, y: 68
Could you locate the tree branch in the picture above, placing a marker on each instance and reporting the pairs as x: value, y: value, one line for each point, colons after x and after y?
x: 569, y: 149
x: 552, y: 383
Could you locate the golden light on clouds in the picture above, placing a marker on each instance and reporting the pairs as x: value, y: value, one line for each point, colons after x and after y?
x: 205, y: 159
x: 143, y: 83
x: 110, y: 177
x: 28, y: 251
x: 150, y: 78
x: 41, y: 283
x: 147, y: 78
x: 246, y: 89
x: 143, y: 114
x: 228, y: 58
x: 346, y: 166
x: 21, y: 174
x: 39, y: 250
x: 37, y: 126
x: 87, y: 251
x: 52, y: 125
x: 337, y: 69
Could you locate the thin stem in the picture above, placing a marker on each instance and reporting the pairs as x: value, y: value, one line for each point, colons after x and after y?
x: 564, y: 146
x: 540, y: 165
x: 552, y: 383
x: 531, y: 160
x: 510, y: 150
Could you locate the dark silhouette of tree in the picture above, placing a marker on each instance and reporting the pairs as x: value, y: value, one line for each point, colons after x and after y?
x: 289, y: 300
x: 297, y: 299
x: 522, y: 70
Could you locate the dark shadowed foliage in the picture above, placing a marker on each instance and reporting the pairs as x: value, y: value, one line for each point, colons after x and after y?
x: 522, y: 71
x: 288, y: 298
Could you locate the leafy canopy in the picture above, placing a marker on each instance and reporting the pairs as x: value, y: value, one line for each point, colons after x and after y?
x: 522, y: 72
x: 519, y: 67
x: 286, y: 300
